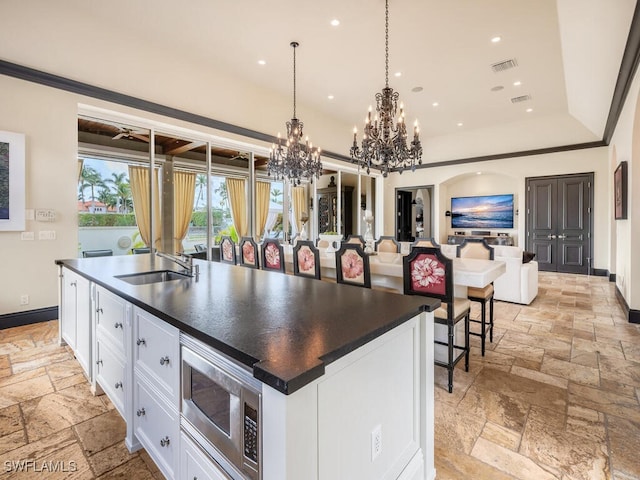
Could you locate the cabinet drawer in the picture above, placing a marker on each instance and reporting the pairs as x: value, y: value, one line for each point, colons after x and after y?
x: 194, y: 463
x: 156, y: 353
x: 157, y: 427
x: 111, y: 312
x: 111, y: 374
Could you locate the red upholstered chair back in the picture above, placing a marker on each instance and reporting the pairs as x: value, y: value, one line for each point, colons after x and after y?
x: 272, y: 255
x: 227, y: 250
x: 306, y: 259
x: 427, y: 272
x: 249, y: 253
x: 352, y: 266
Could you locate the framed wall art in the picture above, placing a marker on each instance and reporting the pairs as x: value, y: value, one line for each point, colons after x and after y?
x: 12, y: 183
x: 620, y: 191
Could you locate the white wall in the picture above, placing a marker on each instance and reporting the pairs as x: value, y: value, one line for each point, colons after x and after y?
x: 625, y: 146
x: 508, y: 176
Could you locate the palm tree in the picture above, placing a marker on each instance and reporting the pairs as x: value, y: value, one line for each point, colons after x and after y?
x: 276, y: 196
x: 122, y: 190
x: 107, y: 197
x: 201, y: 183
x: 91, y: 178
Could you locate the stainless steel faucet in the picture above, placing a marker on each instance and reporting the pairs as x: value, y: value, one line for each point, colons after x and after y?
x: 185, y: 261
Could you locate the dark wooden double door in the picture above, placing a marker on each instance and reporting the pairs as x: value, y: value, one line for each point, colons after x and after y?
x: 560, y: 222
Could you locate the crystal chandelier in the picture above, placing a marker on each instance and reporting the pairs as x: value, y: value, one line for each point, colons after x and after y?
x: 384, y: 143
x: 297, y: 160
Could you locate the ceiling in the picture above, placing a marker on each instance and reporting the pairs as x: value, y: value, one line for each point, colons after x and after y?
x: 568, y: 55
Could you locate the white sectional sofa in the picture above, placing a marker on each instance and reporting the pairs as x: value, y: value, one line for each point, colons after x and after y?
x: 520, y: 282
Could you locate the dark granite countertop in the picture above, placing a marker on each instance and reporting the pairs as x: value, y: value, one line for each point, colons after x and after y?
x: 284, y: 328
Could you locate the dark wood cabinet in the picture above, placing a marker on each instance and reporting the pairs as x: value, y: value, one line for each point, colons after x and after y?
x: 328, y: 210
x: 491, y: 239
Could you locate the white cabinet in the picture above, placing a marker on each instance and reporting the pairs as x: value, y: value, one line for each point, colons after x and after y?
x: 156, y: 353
x: 111, y: 316
x: 156, y: 371
x: 194, y: 463
x: 75, y: 316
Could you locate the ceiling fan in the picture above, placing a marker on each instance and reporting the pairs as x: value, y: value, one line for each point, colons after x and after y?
x: 132, y: 133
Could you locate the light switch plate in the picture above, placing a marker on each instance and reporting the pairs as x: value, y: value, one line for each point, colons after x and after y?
x: 27, y: 236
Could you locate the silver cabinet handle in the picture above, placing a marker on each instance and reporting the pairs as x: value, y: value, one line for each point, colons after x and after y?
x: 118, y: 385
x: 99, y: 310
x: 74, y: 283
x: 99, y: 362
x: 165, y: 442
x: 164, y: 360
x: 140, y: 412
x: 141, y: 341
x: 118, y: 325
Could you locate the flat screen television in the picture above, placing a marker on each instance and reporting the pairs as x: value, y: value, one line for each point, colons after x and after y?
x: 487, y: 211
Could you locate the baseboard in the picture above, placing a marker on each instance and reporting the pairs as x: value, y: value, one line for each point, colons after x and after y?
x: 18, y: 319
x: 599, y: 272
x: 632, y: 315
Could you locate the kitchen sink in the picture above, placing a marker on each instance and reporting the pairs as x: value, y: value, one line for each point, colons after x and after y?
x: 152, y: 277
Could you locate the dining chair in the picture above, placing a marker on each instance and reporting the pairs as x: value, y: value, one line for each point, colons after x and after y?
x: 97, y: 253
x: 227, y: 250
x: 387, y: 244
x: 479, y: 248
x: 272, y: 255
x: 200, y: 247
x: 357, y: 239
x: 428, y: 272
x: 249, y: 255
x: 306, y: 260
x: 352, y: 266
x: 425, y: 242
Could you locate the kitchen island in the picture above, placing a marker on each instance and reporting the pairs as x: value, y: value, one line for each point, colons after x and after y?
x: 346, y: 373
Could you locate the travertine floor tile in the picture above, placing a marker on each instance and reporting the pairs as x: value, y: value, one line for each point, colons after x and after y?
x: 624, y: 437
x: 502, y: 436
x: 101, y: 432
x: 496, y: 407
x: 456, y: 428
x: 25, y: 390
x: 134, y: 468
x: 547, y: 442
x: 571, y: 371
x: 56, y: 411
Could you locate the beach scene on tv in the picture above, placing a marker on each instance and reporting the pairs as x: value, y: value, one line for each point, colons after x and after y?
x: 488, y: 211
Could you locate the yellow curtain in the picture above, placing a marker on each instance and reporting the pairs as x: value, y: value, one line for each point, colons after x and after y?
x: 139, y: 182
x: 184, y: 188
x: 80, y: 164
x: 299, y: 205
x: 263, y: 192
x: 238, y: 204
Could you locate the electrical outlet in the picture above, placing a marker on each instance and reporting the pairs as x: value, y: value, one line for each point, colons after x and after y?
x: 27, y: 236
x: 376, y: 442
x: 24, y: 299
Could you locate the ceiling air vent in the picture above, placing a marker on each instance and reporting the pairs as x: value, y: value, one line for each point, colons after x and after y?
x: 504, y: 65
x: 521, y: 98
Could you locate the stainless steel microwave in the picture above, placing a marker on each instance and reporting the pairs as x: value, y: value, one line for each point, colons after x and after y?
x: 221, y: 409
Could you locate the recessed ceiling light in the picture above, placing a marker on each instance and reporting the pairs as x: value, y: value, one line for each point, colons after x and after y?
x: 398, y: 74
x: 330, y: 97
x: 460, y: 124
x: 517, y: 83
x: 529, y: 110
x: 416, y: 89
x: 262, y: 62
x: 496, y: 39
x: 435, y: 104
x: 335, y: 22
x: 478, y: 173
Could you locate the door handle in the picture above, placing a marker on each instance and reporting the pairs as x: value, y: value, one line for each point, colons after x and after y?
x: 562, y: 237
x: 551, y: 237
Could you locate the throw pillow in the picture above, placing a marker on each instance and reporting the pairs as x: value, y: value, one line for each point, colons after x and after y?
x: 527, y: 256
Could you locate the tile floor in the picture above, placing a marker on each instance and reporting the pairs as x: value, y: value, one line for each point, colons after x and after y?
x: 557, y: 396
